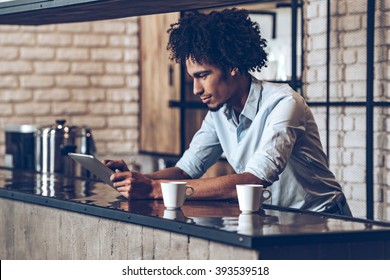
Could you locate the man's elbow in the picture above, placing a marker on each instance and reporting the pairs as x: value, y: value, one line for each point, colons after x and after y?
x: 252, y: 179
x: 183, y: 174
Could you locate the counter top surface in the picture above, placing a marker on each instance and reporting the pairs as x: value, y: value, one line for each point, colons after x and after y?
x: 213, y: 220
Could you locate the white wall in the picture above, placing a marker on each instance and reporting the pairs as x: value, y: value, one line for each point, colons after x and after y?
x: 348, y: 83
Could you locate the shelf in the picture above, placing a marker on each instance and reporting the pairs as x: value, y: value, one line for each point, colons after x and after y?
x: 38, y: 12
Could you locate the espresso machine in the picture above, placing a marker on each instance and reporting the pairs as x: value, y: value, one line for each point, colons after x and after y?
x: 19, y: 146
x: 45, y: 149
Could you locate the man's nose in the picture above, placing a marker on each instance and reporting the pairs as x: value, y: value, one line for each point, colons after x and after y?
x: 198, y: 89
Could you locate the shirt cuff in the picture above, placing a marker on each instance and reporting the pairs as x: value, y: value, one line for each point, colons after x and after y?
x: 263, y: 171
x: 191, y: 165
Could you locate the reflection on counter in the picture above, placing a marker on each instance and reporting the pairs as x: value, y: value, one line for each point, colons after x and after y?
x: 54, y: 185
x: 177, y: 215
x: 222, y: 215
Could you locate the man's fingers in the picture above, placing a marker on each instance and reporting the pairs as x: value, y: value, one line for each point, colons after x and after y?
x: 114, y: 165
x: 120, y: 176
x: 126, y: 182
x: 124, y: 188
x: 126, y: 192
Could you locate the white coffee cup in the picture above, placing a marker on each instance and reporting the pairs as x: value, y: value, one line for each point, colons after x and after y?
x: 251, y: 197
x: 175, y: 193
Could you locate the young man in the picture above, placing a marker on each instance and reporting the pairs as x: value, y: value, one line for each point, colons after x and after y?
x: 266, y: 131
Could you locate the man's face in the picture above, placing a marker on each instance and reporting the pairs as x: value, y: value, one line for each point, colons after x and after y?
x: 214, y: 86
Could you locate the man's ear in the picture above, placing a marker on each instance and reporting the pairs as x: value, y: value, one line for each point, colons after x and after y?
x: 233, y: 71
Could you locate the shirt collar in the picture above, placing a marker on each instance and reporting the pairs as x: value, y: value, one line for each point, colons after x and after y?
x: 252, y: 104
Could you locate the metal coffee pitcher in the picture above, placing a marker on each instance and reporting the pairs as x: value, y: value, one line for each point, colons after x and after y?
x: 54, y: 142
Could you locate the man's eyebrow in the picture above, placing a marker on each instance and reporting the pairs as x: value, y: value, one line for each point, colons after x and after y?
x: 201, y: 73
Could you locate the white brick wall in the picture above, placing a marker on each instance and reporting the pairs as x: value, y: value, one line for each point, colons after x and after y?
x: 86, y: 73
x: 348, y: 83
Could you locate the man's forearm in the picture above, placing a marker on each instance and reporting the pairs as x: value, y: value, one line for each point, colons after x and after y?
x: 171, y: 173
x: 223, y: 187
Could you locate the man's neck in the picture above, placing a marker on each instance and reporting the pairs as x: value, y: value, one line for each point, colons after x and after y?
x: 243, y: 88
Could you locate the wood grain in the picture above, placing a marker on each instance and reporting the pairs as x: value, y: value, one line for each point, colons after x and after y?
x: 160, y: 125
x: 29, y: 231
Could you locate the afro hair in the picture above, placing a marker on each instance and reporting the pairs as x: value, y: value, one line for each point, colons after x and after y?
x: 225, y: 39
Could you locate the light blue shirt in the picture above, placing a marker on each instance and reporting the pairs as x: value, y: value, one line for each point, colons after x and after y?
x: 276, y: 139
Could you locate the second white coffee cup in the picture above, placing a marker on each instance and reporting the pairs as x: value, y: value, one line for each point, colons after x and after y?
x: 175, y: 193
x: 251, y: 197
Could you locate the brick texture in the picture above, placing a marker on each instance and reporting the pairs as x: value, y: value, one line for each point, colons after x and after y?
x: 86, y: 73
x: 347, y: 156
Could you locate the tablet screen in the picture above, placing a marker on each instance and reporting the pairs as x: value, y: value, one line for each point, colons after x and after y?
x: 95, y: 166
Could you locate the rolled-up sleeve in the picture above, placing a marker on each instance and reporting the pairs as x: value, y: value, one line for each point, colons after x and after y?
x: 204, y: 150
x: 283, y: 127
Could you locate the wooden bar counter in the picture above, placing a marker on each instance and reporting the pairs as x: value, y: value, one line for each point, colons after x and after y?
x: 49, y: 216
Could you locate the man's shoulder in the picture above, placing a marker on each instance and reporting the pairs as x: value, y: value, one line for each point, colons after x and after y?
x: 277, y: 88
x: 277, y: 91
x: 273, y: 93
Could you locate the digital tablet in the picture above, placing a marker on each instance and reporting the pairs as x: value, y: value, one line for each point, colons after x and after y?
x: 95, y: 166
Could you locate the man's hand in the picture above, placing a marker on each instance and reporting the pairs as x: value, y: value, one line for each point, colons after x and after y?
x: 133, y: 185
x: 130, y: 184
x: 116, y: 165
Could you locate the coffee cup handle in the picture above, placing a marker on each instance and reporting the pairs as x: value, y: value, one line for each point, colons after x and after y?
x: 191, y: 192
x: 267, y: 196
